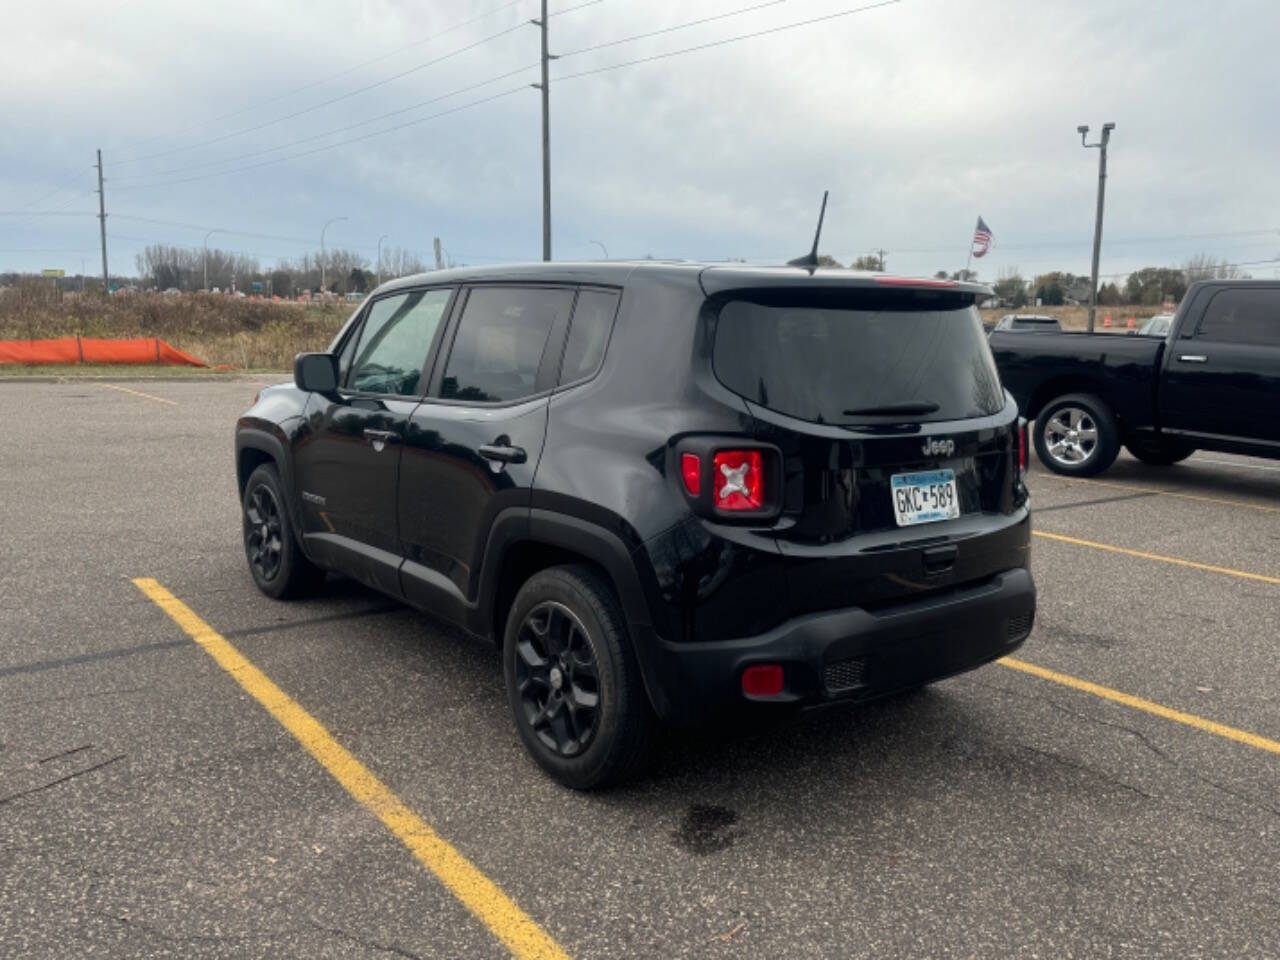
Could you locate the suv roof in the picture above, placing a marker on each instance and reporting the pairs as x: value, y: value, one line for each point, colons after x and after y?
x: 714, y: 277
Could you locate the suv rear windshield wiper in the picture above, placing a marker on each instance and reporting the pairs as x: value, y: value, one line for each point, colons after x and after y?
x: 904, y: 407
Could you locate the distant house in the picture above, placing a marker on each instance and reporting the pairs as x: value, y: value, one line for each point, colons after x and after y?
x: 1077, y: 291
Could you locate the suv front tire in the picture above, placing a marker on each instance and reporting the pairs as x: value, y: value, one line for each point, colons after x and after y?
x: 276, y: 561
x: 572, y: 680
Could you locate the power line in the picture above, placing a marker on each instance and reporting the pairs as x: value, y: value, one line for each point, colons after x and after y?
x: 347, y: 96
x: 391, y: 129
x: 66, y: 182
x: 728, y: 40
x: 333, y: 76
x: 444, y: 96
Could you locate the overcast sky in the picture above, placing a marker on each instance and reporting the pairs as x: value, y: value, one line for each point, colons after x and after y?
x: 918, y: 116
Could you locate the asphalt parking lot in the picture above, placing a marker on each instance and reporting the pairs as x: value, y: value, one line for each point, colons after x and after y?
x: 151, y: 806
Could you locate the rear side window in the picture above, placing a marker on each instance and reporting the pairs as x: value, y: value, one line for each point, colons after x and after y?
x: 1243, y: 316
x: 831, y: 363
x: 588, y: 334
x: 394, y: 342
x: 501, y: 337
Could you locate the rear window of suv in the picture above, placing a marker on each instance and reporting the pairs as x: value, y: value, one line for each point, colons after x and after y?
x: 818, y: 360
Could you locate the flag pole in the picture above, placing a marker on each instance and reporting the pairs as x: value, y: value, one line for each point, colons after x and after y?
x: 969, y: 259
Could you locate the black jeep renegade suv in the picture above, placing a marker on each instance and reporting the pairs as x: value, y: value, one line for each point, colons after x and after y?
x: 663, y: 489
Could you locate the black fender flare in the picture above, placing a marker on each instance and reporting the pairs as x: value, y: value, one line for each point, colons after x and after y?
x: 602, y: 547
x: 255, y: 438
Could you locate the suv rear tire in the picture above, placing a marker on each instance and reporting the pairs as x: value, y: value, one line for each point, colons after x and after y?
x: 572, y: 679
x: 276, y: 561
x: 1076, y: 435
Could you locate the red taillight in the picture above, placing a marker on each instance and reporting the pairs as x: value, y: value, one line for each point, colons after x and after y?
x: 738, y: 480
x: 887, y: 281
x: 1022, y: 446
x: 691, y: 471
x: 762, y: 680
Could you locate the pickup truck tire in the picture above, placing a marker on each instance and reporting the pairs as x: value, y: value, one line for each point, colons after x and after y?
x: 1162, y: 454
x: 1076, y: 435
x: 572, y: 679
x: 276, y: 561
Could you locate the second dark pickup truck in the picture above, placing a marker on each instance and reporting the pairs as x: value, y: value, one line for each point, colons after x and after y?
x: 1212, y: 384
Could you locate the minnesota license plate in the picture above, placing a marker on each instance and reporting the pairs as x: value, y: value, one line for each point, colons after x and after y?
x: 924, y: 497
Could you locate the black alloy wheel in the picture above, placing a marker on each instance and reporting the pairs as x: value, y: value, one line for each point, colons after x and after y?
x: 263, y: 533
x: 558, y: 679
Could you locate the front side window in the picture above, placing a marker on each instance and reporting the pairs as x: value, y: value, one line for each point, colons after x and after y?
x: 1243, y: 316
x: 498, y: 349
x: 393, y: 345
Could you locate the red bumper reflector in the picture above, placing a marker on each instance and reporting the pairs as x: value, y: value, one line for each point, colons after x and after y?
x: 691, y: 471
x: 762, y: 680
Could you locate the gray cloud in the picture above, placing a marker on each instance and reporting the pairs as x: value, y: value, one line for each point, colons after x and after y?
x: 917, y: 117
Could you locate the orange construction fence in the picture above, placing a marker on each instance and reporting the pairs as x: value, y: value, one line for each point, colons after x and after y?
x: 144, y: 350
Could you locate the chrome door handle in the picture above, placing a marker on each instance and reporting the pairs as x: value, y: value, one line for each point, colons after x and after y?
x: 1193, y: 358
x: 502, y: 453
x: 381, y: 436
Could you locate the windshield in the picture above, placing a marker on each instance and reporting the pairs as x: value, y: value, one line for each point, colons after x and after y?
x: 914, y: 358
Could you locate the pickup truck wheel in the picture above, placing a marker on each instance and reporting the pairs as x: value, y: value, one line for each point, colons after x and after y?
x: 1076, y: 435
x: 276, y: 562
x: 1162, y: 454
x: 572, y: 679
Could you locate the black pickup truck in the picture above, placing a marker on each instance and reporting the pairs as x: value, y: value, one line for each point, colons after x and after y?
x: 1213, y: 383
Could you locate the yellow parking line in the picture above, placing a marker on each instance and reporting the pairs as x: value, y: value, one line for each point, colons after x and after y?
x: 1228, y: 571
x: 506, y: 921
x: 139, y: 393
x: 1147, y: 706
x: 1073, y: 481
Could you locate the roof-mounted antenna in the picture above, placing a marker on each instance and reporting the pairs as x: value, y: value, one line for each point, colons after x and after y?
x: 810, y: 259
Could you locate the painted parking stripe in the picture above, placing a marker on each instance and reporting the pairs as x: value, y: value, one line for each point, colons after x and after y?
x: 1147, y: 706
x: 1076, y: 481
x: 1142, y: 554
x: 512, y: 926
x: 139, y: 393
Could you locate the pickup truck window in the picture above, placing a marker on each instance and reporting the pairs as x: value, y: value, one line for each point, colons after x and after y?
x: 394, y: 342
x: 1243, y: 316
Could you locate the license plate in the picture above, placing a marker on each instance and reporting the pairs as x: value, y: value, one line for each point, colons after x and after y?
x: 924, y: 497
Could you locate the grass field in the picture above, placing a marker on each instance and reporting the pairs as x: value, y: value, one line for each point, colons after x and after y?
x: 246, y: 334
x: 1077, y: 318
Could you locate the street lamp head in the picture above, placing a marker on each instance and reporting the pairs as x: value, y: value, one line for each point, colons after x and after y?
x: 1082, y: 129
x: 1106, y: 127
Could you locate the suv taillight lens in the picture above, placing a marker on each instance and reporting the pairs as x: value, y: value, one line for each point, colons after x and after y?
x: 691, y: 471
x: 738, y: 480
x: 1022, y: 446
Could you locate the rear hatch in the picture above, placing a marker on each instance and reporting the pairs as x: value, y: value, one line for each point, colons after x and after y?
x: 898, y: 446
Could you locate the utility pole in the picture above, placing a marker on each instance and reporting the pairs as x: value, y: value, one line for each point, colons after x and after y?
x: 435, y: 242
x: 102, y: 224
x: 380, y: 239
x: 322, y: 258
x: 1097, y: 223
x: 545, y: 87
x: 880, y: 256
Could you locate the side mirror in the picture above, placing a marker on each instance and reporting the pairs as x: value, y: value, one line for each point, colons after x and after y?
x: 316, y: 372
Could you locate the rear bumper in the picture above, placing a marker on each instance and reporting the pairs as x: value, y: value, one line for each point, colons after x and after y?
x: 853, y: 653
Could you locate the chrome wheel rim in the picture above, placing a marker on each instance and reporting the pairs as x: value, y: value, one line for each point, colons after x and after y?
x: 263, y: 539
x: 557, y: 679
x: 1071, y: 436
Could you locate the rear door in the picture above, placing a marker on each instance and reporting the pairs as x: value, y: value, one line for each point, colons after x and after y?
x: 895, y: 437
x: 1224, y: 380
x: 472, y: 446
x: 347, y: 465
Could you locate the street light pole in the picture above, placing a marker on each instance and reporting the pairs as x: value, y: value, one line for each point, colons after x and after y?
x: 206, y: 258
x: 380, y: 239
x: 1097, y: 223
x: 602, y: 247
x: 322, y: 230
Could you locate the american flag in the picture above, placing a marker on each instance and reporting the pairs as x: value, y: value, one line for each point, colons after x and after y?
x: 981, y: 239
